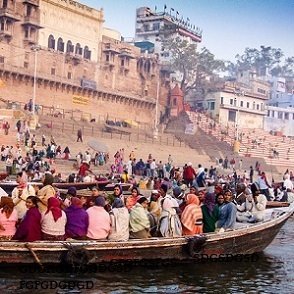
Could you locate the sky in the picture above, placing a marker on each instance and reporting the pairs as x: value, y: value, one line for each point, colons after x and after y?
x: 229, y: 26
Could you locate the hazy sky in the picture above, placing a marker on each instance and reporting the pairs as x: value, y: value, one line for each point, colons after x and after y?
x: 229, y: 26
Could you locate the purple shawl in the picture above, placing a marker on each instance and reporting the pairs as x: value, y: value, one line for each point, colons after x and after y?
x: 29, y: 229
x: 209, y: 201
x: 77, y: 222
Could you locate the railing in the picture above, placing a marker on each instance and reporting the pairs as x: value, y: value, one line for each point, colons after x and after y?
x: 66, y: 127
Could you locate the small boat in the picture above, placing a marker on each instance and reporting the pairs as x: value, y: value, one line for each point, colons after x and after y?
x: 244, y: 241
x: 101, y: 184
x: 273, y: 204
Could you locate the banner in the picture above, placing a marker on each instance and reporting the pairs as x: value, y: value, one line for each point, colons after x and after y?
x: 81, y: 100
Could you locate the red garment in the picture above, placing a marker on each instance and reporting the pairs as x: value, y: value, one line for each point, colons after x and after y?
x: 29, y: 229
x: 189, y: 173
x: 83, y: 169
x: 54, y: 207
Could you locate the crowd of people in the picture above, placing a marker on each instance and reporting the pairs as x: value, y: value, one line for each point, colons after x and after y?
x: 177, y: 206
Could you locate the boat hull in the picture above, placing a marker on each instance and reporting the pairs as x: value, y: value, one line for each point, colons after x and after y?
x: 245, y: 241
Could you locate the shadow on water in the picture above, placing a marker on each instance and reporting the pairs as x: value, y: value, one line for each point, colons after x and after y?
x: 268, y: 272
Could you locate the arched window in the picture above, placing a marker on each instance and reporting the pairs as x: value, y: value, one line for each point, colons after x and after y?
x: 51, y: 42
x: 87, y: 53
x: 69, y: 47
x: 79, y: 50
x: 60, y: 45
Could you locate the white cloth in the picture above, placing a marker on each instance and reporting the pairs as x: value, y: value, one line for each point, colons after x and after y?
x: 288, y: 184
x: 50, y: 227
x: 120, y: 219
x: 20, y: 203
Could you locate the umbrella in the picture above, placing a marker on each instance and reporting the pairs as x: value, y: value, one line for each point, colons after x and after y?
x: 97, y: 146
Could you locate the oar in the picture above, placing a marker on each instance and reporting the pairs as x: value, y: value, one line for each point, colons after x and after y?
x: 34, y: 255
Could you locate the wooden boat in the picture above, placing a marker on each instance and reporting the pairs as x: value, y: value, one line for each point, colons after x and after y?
x: 9, y: 186
x: 273, y: 204
x: 246, y: 240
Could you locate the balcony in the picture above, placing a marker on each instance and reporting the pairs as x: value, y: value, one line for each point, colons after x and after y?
x: 9, y: 13
x: 126, y: 53
x: 71, y: 56
x: 32, y: 20
x: 30, y: 40
x: 108, y: 47
x: 7, y: 34
x: 32, y: 2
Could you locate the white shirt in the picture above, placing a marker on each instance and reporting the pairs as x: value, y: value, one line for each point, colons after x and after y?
x: 288, y: 184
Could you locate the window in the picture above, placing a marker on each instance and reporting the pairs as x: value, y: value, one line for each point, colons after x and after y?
x: 51, y: 42
x: 260, y: 91
x: 235, y: 102
x: 69, y: 47
x: 146, y: 27
x: 122, y: 62
x: 53, y: 71
x: 60, y: 45
x: 257, y: 106
x: 280, y: 115
x: 212, y: 105
x: 273, y: 113
x: 107, y: 57
x: 232, y: 116
x: 79, y: 50
x: 87, y: 53
x: 231, y: 101
x: 26, y: 64
x: 268, y: 113
x: 248, y: 104
x: 286, y: 115
x: 293, y: 116
x: 27, y: 33
x: 2, y: 59
x: 156, y: 26
x: 241, y: 103
x: 69, y: 75
x: 222, y: 100
x: 253, y: 105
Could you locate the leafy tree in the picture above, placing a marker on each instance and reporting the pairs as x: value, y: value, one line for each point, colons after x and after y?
x: 193, y: 65
x: 267, y: 58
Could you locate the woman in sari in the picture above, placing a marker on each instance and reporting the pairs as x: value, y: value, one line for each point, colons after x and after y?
x: 53, y: 221
x: 8, y: 218
x: 132, y: 200
x: 29, y: 229
x: 192, y: 216
x: 169, y: 224
x: 77, y: 220
x: 210, y: 213
x: 120, y: 218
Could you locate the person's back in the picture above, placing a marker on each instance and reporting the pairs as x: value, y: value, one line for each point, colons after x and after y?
x: 99, y: 220
x: 77, y: 219
x: 51, y: 227
x: 119, y: 224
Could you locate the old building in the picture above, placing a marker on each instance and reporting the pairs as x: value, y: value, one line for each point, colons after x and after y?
x: 56, y: 51
x: 153, y: 27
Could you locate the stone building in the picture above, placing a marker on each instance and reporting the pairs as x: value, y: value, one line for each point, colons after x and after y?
x: 56, y: 50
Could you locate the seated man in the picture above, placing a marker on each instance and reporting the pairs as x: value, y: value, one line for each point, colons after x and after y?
x: 253, y: 209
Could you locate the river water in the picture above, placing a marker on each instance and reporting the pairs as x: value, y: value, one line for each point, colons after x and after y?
x: 270, y: 272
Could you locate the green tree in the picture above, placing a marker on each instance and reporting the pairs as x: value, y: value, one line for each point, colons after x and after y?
x: 263, y: 60
x: 194, y: 66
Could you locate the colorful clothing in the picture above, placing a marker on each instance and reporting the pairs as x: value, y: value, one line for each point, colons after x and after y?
x: 192, y: 216
x: 29, y: 229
